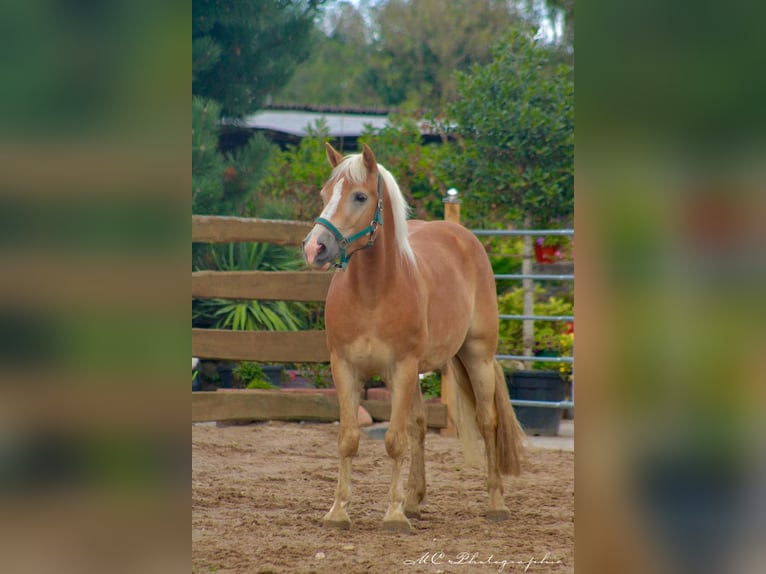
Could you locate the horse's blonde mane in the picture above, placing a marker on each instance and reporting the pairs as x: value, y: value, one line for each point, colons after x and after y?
x: 353, y: 167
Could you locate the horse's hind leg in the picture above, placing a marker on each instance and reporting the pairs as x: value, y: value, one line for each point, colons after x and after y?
x: 480, y: 369
x: 348, y: 442
x: 416, y: 484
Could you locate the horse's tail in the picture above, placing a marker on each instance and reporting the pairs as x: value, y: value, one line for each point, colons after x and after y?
x: 464, y: 412
x: 509, y: 437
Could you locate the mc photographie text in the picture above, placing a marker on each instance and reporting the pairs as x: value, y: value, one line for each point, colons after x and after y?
x: 474, y: 558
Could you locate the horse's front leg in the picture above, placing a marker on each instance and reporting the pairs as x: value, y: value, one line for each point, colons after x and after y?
x: 348, y: 441
x: 416, y: 484
x: 402, y: 385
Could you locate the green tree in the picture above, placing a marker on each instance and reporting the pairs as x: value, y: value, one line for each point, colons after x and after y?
x: 516, y: 118
x: 245, y: 50
x: 422, y: 42
x: 221, y: 182
x: 399, y: 52
x: 334, y: 73
x: 242, y: 51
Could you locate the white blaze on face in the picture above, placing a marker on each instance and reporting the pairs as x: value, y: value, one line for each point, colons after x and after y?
x: 332, y: 205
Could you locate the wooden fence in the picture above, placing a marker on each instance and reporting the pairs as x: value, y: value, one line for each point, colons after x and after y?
x: 268, y: 346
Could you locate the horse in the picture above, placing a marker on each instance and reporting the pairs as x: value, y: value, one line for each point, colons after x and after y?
x: 409, y: 297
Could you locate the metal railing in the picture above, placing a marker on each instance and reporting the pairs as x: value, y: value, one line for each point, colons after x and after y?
x: 535, y: 277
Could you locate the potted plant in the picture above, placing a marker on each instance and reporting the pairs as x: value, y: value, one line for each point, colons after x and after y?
x: 552, y: 248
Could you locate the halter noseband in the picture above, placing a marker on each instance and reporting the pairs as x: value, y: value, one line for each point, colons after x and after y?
x: 346, y: 241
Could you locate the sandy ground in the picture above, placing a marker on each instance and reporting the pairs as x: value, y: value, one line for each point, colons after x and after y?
x: 259, y: 492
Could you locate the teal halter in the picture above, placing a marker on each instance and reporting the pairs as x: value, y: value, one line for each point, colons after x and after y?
x: 346, y: 241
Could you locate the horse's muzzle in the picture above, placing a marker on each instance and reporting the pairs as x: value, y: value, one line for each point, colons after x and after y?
x: 320, y: 248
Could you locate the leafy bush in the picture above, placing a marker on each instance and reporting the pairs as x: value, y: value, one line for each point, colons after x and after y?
x: 416, y: 166
x: 259, y: 384
x: 251, y: 376
x: 431, y: 385
x: 550, y: 336
x: 516, y: 118
x: 319, y: 374
x: 294, y: 178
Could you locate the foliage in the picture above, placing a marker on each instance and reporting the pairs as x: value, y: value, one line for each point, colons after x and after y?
x: 251, y: 257
x: 260, y: 384
x: 516, y: 119
x: 335, y: 73
x: 294, y: 178
x: 246, y: 315
x: 504, y: 254
x: 207, y: 164
x: 398, y: 53
x: 416, y: 166
x: 297, y: 174
x: 548, y: 334
x: 251, y: 376
x: 565, y: 348
x: 244, y: 50
x: 222, y: 181
x: 249, y: 314
x: 431, y: 385
x: 319, y: 374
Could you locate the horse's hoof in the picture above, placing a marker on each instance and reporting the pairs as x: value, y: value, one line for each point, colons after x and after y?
x: 499, y: 515
x: 400, y: 526
x: 338, y: 524
x: 413, y: 512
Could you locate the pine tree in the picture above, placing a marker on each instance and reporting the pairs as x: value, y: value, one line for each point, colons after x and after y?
x: 221, y: 181
x: 242, y: 51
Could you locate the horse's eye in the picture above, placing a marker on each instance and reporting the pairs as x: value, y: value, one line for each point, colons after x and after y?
x: 360, y: 197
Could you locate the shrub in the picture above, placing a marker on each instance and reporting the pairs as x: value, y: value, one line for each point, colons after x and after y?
x: 251, y: 376
x: 431, y: 385
x: 551, y: 337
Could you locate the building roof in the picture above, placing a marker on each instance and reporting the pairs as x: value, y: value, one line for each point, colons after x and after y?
x: 296, y: 122
x: 287, y: 124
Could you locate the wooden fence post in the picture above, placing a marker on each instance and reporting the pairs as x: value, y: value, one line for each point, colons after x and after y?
x: 451, y: 213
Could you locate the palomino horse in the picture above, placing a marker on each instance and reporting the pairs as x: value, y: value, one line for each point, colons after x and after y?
x: 415, y: 297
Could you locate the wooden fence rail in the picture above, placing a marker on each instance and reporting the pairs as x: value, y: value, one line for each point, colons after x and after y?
x: 263, y: 285
x: 218, y: 229
x: 285, y: 406
x: 265, y: 346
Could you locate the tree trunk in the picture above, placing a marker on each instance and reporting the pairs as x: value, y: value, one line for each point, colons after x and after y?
x: 528, y: 327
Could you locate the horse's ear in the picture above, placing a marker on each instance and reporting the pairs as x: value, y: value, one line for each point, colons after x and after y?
x: 369, y: 158
x: 332, y: 155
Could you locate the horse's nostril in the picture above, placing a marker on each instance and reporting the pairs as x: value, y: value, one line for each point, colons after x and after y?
x: 322, y: 247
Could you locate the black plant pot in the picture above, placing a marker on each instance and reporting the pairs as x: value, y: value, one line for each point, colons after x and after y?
x: 196, y: 382
x: 537, y: 386
x: 274, y: 373
x: 227, y: 378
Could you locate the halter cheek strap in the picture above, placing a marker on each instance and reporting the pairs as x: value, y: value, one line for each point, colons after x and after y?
x: 346, y: 241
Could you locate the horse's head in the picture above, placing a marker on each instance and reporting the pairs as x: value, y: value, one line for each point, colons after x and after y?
x: 352, y: 209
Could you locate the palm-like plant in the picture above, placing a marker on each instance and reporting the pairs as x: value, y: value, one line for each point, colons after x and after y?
x: 242, y: 314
